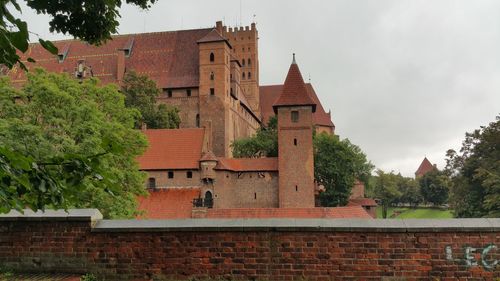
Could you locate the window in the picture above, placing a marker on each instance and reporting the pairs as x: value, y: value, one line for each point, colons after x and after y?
x: 189, y: 174
x: 295, y: 116
x: 212, y: 75
x: 243, y: 62
x: 243, y: 75
x: 169, y: 93
x: 249, y: 75
x: 296, y: 188
x: 212, y: 91
x: 294, y: 141
x: 197, y: 120
x: 188, y: 92
x: 255, y: 195
x: 212, y: 57
x: 231, y: 90
x: 231, y: 76
x: 170, y: 174
x: 249, y: 62
x: 151, y: 183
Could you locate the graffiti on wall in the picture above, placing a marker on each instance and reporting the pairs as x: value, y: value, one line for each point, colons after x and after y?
x: 476, y: 256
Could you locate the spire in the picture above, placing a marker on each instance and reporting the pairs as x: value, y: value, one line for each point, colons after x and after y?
x: 294, y: 91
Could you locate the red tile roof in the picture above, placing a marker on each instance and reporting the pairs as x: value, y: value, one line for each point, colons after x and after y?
x: 209, y: 156
x: 170, y: 58
x: 248, y: 164
x: 170, y: 203
x: 263, y: 213
x: 172, y: 149
x: 269, y: 94
x: 294, y: 90
x: 213, y: 36
x: 362, y: 202
x: 424, y: 167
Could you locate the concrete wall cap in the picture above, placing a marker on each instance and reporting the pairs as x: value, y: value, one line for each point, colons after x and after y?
x: 90, y: 215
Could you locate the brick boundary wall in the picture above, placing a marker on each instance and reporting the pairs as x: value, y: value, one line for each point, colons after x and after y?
x: 80, y: 241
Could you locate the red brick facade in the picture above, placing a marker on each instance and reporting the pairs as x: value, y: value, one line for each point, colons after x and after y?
x: 250, y: 253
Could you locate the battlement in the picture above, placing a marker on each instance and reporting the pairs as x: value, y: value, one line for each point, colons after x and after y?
x: 237, y: 30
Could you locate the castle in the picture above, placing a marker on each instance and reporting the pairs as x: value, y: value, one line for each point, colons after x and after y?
x: 212, y: 76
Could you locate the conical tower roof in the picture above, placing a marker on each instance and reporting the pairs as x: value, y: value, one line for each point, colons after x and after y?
x: 294, y: 91
x: 425, y: 167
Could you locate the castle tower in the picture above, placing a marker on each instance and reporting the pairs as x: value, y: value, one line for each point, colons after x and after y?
x: 245, y: 50
x: 294, y: 109
x: 214, y: 88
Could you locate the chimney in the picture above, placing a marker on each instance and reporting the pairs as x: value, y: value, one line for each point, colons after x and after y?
x: 120, y: 65
x: 218, y: 26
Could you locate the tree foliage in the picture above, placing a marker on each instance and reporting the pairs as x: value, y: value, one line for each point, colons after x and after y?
x: 434, y: 187
x: 409, y: 190
x: 385, y: 187
x: 53, y: 119
x: 337, y: 165
x: 475, y: 173
x: 141, y: 93
x: 91, y: 21
x: 263, y: 143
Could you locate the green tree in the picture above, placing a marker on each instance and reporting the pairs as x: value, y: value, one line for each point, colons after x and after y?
x: 337, y: 165
x: 54, y: 117
x: 91, y: 21
x: 410, y: 191
x: 475, y: 173
x: 385, y: 187
x: 434, y: 187
x: 141, y: 93
x: 263, y: 143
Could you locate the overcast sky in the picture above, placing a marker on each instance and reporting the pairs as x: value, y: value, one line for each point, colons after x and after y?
x: 404, y: 79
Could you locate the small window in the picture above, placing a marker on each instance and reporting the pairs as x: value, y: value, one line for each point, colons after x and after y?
x: 188, y: 92
x: 231, y: 76
x: 189, y: 174
x: 197, y: 120
x: 294, y: 141
x: 212, y: 76
x: 295, y: 116
x: 231, y: 90
x: 249, y: 62
x: 243, y: 62
x: 169, y: 93
x: 170, y: 174
x: 255, y: 195
x: 249, y: 75
x: 243, y: 76
x: 212, y: 91
x: 151, y: 183
x: 212, y: 57
x: 296, y: 188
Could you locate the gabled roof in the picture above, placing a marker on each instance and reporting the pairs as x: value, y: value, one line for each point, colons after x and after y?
x: 172, y: 149
x: 294, y: 90
x: 170, y: 58
x: 424, y: 167
x: 269, y: 164
x: 270, y: 93
x: 168, y: 203
x: 298, y: 213
x: 213, y: 36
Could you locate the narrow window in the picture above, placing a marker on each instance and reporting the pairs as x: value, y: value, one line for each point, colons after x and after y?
x: 212, y: 91
x: 189, y: 174
x: 170, y: 174
x: 243, y: 62
x: 294, y: 141
x: 169, y: 93
x: 295, y: 116
x: 212, y: 75
x: 151, y: 183
x: 197, y: 120
x: 243, y: 76
x: 230, y: 76
x: 249, y: 75
x: 231, y: 90
x: 188, y: 92
x: 249, y: 62
x: 212, y: 57
x: 296, y: 188
x: 255, y: 195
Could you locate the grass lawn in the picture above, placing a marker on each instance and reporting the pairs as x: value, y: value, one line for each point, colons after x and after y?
x: 418, y: 213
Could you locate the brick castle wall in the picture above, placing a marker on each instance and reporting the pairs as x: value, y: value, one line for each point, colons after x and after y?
x: 262, y: 250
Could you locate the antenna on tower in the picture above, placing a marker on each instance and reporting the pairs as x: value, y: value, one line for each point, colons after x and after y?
x: 254, y: 16
x: 309, y: 77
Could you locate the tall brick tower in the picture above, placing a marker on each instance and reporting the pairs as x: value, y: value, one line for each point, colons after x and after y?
x: 214, y: 99
x: 244, y: 41
x: 294, y: 109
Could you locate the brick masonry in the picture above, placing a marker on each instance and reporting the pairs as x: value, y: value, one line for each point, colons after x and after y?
x: 286, y: 249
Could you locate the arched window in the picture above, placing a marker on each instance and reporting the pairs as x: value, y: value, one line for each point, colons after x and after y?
x: 231, y: 91
x: 243, y: 62
x: 249, y: 62
x: 249, y: 75
x: 212, y: 75
x: 243, y: 75
x: 197, y: 120
x: 151, y: 183
x: 212, y: 57
x: 209, y: 201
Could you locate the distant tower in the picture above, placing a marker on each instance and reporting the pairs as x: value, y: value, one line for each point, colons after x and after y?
x: 214, y: 89
x: 244, y: 41
x: 294, y: 109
